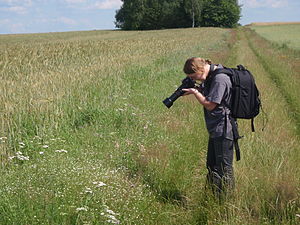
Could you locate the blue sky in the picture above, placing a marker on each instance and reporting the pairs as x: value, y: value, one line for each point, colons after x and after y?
x: 35, y: 16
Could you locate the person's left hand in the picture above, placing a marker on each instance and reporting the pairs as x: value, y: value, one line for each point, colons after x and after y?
x: 189, y: 91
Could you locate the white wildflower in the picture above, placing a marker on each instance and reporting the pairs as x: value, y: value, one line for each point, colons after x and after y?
x: 61, y: 150
x: 45, y: 146
x: 88, y: 190
x: 110, y: 212
x: 112, y: 219
x: 298, y: 215
x: 111, y: 215
x: 82, y: 209
x: 99, y: 184
x: 22, y: 157
x: 21, y: 144
x: 41, y: 153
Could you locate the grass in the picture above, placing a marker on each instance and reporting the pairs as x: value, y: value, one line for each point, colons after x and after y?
x: 85, y: 138
x: 284, y: 35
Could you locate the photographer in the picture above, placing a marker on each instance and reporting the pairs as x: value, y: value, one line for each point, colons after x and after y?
x: 215, y: 96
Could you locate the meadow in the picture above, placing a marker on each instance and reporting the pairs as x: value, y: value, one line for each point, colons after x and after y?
x: 85, y: 138
x: 284, y: 35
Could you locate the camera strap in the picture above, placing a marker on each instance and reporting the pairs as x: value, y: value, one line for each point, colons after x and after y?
x: 212, y: 68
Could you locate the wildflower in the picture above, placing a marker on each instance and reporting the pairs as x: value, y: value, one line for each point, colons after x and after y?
x: 88, y: 190
x: 82, y: 209
x: 99, y: 184
x: 41, y: 153
x: 111, y: 215
x: 62, y: 150
x: 20, y: 156
x: 22, y: 144
x: 298, y: 215
x: 3, y: 139
x: 113, y: 220
x: 45, y: 146
x: 110, y: 212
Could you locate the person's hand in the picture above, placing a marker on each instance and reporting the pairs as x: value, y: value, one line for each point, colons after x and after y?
x: 189, y: 91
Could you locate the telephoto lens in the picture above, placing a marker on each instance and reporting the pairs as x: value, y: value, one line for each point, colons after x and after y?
x: 186, y: 83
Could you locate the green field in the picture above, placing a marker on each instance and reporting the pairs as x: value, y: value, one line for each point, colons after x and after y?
x: 284, y: 35
x: 85, y: 138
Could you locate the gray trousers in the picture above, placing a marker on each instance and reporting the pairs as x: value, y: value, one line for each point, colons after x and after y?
x: 219, y: 164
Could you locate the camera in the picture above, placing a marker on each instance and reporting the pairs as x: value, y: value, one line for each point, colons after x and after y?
x: 186, y: 83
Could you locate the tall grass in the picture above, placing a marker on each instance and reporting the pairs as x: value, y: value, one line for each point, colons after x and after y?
x: 87, y: 140
x: 268, y: 180
x: 284, y: 35
x: 83, y: 127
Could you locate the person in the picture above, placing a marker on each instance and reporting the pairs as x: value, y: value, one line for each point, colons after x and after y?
x: 215, y: 97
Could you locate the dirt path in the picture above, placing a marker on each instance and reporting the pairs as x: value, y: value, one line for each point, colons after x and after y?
x: 269, y: 158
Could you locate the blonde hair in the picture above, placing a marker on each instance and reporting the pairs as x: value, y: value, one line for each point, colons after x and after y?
x: 195, y: 64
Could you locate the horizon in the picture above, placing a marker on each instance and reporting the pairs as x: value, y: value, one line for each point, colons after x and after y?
x: 41, y: 16
x: 261, y: 23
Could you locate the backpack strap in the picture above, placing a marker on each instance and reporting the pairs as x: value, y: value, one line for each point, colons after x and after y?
x: 236, y: 137
x: 252, y: 125
x: 235, y: 133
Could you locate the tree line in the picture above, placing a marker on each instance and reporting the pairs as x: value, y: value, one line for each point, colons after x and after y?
x: 163, y: 14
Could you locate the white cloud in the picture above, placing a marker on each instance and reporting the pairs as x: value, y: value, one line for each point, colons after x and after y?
x: 67, y: 21
x: 264, y: 3
x: 60, y: 20
x: 15, y: 9
x: 15, y: 6
x: 107, y: 4
x: 75, y: 1
x: 17, y: 2
x: 4, y: 22
x: 17, y: 28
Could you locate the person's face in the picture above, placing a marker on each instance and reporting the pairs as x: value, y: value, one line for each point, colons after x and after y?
x: 197, y: 76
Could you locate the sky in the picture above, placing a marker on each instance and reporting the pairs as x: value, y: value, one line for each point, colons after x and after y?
x: 39, y: 16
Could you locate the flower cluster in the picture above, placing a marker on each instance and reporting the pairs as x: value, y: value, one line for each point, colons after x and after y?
x: 111, y: 215
x: 19, y: 156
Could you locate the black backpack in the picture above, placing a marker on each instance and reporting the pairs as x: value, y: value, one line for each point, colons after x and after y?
x: 245, y: 95
x: 246, y: 103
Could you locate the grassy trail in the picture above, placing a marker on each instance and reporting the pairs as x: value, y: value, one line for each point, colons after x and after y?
x: 268, y: 175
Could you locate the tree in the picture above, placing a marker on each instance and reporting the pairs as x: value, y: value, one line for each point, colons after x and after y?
x: 152, y: 15
x: 174, y: 15
x: 221, y: 13
x: 130, y: 15
x: 193, y: 8
x: 160, y: 14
